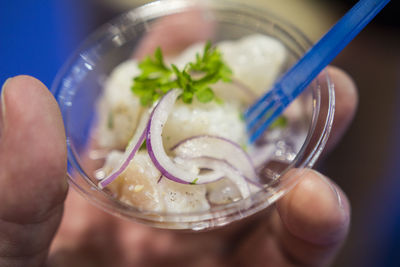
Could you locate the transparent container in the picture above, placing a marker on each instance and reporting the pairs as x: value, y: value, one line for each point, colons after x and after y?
x: 79, y: 85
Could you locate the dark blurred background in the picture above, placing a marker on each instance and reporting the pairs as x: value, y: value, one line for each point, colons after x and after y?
x: 38, y: 35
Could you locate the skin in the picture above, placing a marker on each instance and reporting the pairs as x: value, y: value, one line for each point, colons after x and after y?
x: 306, y: 227
x: 32, y: 190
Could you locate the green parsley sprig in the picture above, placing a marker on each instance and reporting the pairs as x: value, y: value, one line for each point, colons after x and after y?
x: 156, y: 78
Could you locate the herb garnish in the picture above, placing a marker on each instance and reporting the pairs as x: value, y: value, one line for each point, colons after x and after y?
x: 280, y: 122
x: 144, y: 145
x: 195, y: 79
x: 110, y: 121
x: 194, y: 181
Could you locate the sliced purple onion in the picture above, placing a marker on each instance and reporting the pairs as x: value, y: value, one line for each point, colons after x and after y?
x: 172, y: 170
x: 130, y: 151
x: 221, y: 165
x: 221, y: 156
x: 218, y: 148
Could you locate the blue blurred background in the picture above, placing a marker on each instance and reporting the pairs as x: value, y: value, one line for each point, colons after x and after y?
x: 38, y: 35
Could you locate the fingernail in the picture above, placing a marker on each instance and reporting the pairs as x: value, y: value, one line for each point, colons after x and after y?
x: 333, y: 188
x: 3, y: 107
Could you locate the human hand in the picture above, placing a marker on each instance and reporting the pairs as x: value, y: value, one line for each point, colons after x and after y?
x: 305, y: 227
x: 33, y: 167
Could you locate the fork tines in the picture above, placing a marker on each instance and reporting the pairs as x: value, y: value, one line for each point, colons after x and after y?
x: 262, y: 113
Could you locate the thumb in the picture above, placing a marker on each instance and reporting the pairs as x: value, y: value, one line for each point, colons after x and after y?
x: 32, y: 177
x: 315, y: 218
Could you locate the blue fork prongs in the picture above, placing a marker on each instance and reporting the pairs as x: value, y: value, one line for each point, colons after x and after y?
x: 255, y: 106
x: 266, y: 122
x: 259, y: 110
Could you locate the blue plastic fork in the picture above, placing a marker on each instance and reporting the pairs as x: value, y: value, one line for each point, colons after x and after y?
x: 265, y: 110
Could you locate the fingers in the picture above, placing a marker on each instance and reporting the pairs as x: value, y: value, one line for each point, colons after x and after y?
x: 313, y: 221
x: 33, y: 167
x: 176, y: 32
x: 346, y: 103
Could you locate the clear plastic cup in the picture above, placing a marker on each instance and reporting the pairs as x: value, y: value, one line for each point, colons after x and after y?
x: 79, y: 85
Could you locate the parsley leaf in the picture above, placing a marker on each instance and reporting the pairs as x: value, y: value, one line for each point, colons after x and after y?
x: 156, y: 78
x: 110, y: 120
x: 280, y: 122
x: 143, y: 146
x: 194, y: 181
x: 211, y: 63
x: 205, y: 94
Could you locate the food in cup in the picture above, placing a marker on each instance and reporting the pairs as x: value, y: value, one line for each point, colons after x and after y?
x: 174, y: 127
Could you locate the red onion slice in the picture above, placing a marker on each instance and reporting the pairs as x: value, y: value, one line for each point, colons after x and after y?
x: 130, y: 151
x: 220, y: 165
x: 218, y: 148
x: 174, y: 171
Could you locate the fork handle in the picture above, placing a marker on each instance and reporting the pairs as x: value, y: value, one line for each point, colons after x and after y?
x: 327, y: 48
